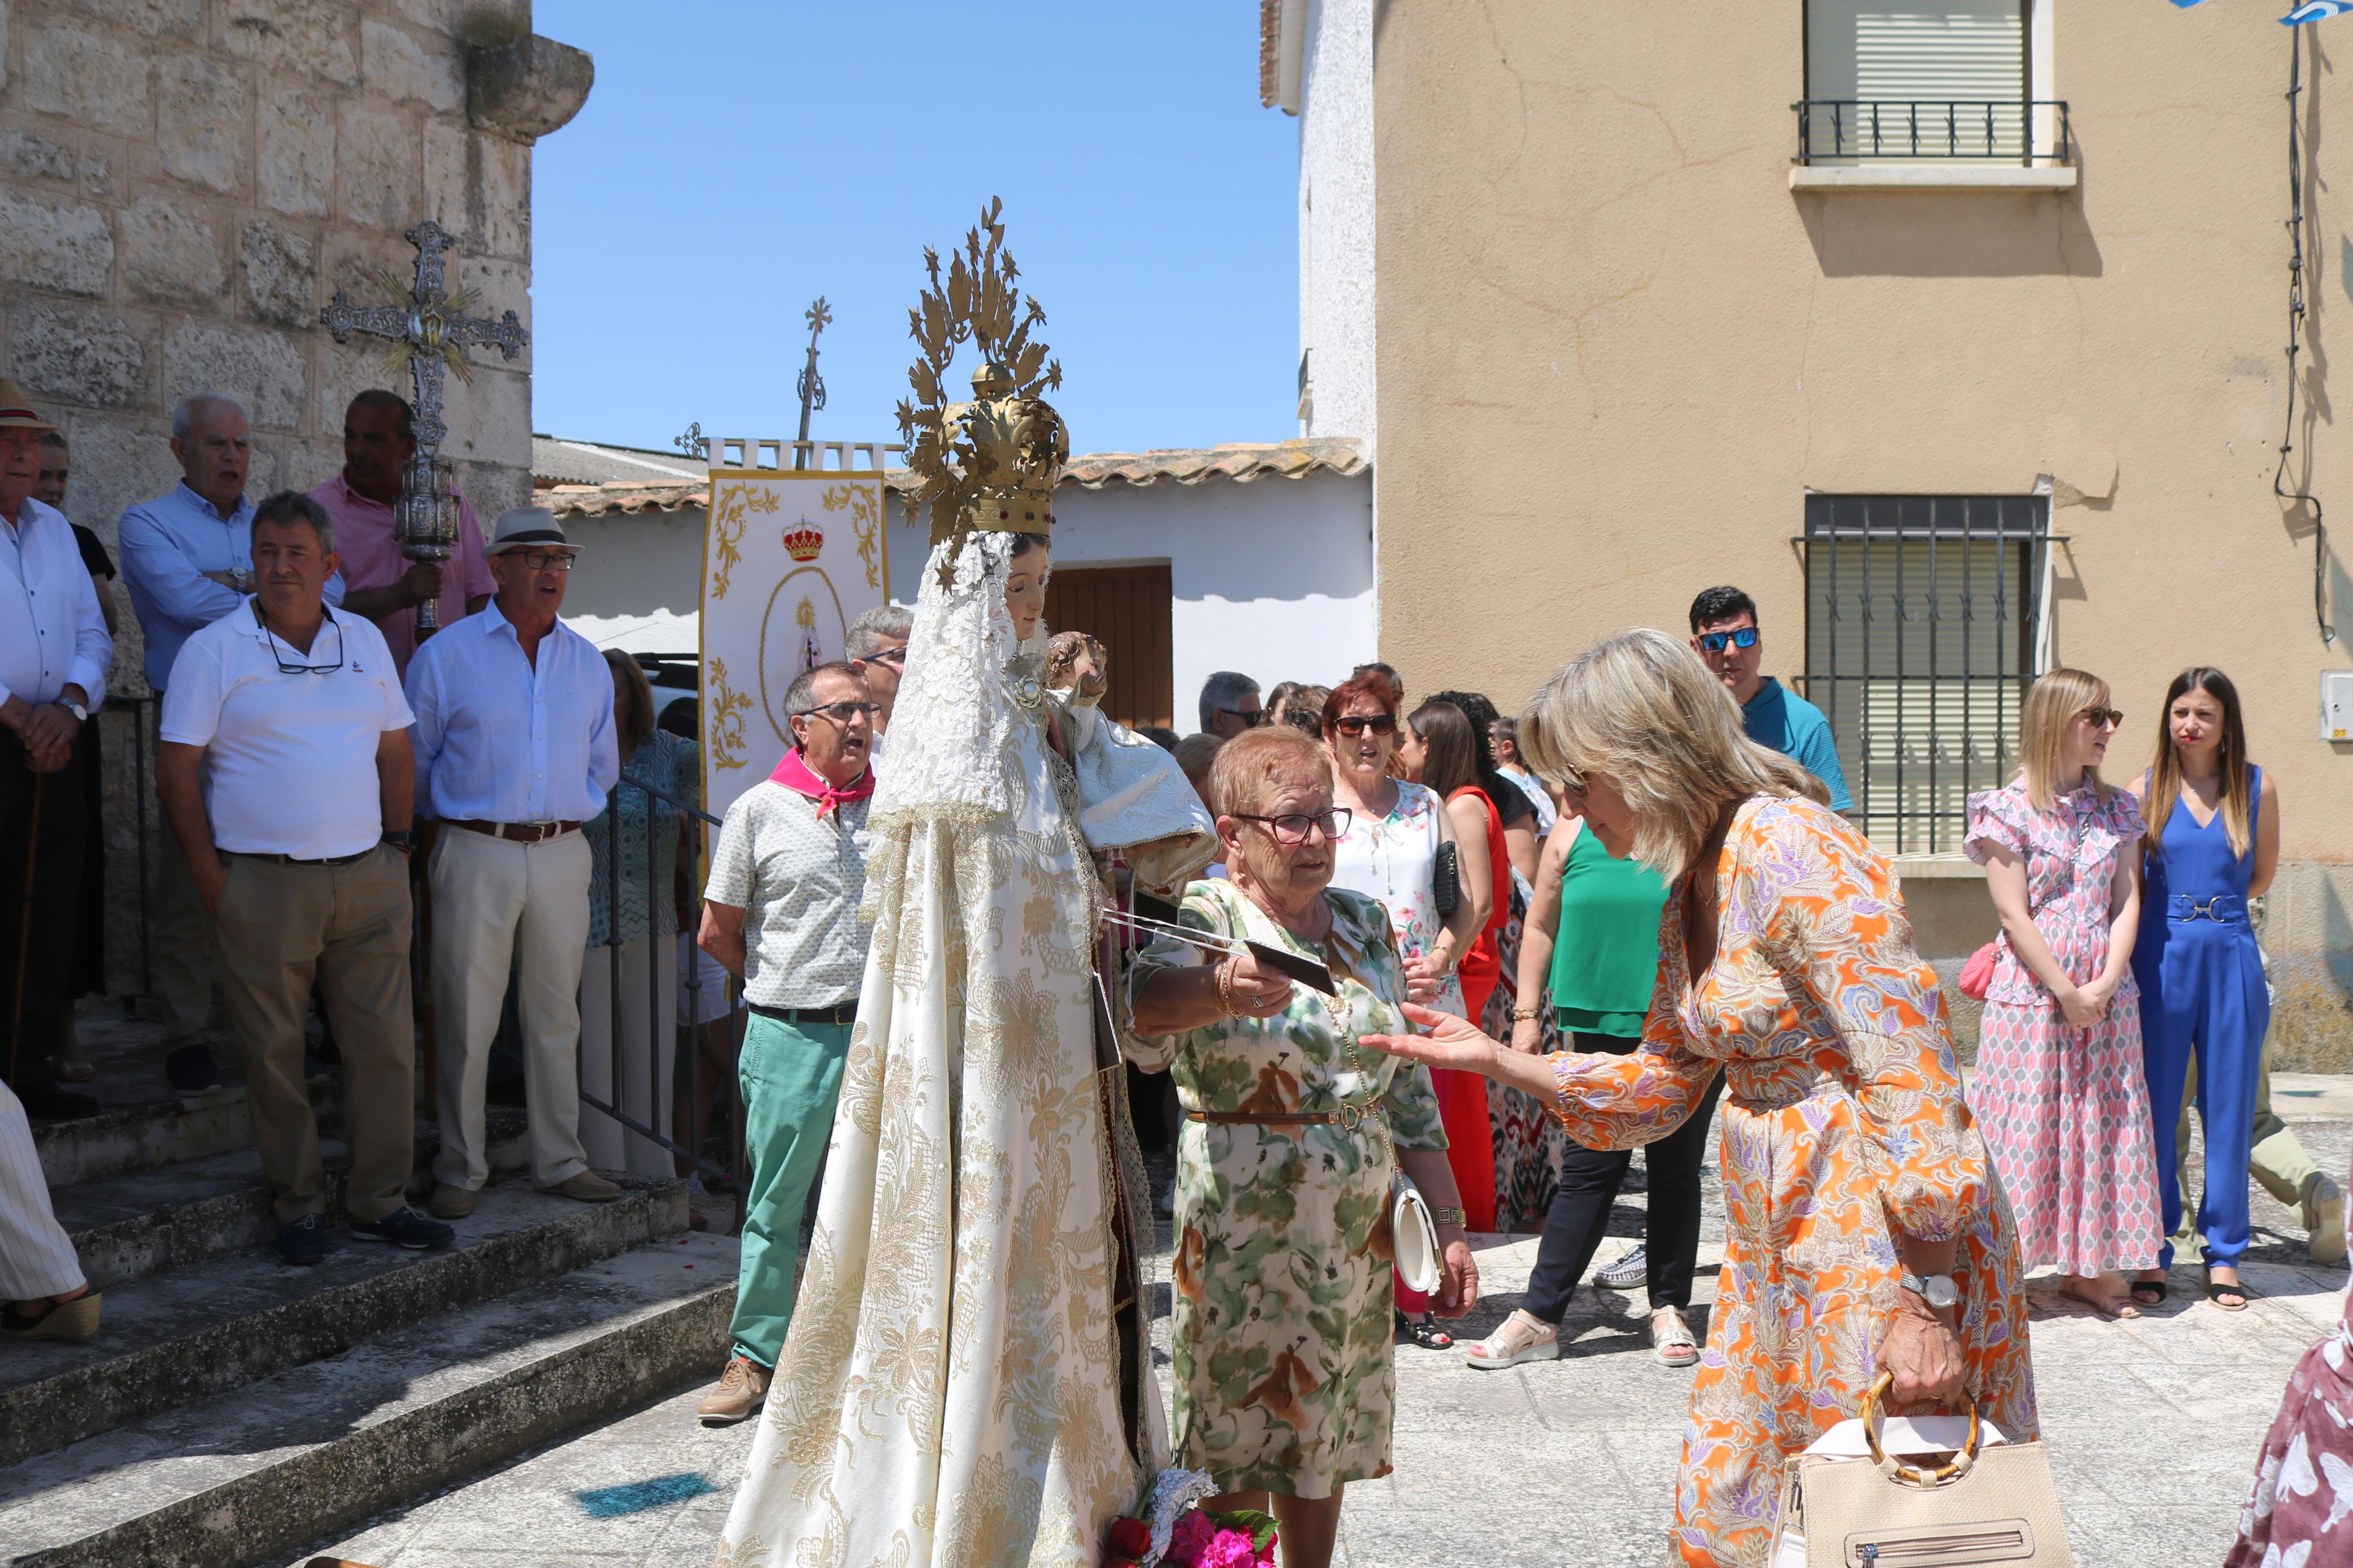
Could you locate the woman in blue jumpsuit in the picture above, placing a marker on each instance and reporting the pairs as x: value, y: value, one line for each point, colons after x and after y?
x: 2212, y: 844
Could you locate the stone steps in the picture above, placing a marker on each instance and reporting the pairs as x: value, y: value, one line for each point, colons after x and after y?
x: 174, y: 1337
x: 259, y: 1472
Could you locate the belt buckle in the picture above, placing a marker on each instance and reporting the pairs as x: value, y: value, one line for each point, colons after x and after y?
x: 2206, y: 907
x: 541, y: 832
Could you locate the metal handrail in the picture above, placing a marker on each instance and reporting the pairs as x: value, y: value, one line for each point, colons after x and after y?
x: 1894, y: 127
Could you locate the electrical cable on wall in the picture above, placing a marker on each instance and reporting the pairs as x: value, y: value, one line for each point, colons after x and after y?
x: 2295, y: 337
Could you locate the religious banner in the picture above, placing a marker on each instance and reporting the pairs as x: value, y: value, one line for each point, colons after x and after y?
x: 791, y: 557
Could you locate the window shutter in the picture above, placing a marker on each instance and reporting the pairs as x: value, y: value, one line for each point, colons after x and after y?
x: 1927, y: 53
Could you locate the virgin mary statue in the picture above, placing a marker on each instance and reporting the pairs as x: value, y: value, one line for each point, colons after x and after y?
x: 967, y: 1381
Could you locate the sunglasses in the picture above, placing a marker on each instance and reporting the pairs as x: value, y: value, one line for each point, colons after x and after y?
x: 1713, y: 642
x: 1251, y: 718
x: 1290, y: 829
x: 841, y: 712
x: 2102, y: 717
x: 1355, y: 724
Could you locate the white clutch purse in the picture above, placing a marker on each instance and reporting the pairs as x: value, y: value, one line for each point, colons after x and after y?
x: 1413, y: 1236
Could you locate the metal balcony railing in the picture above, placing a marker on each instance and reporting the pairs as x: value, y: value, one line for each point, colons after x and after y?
x: 2025, y: 131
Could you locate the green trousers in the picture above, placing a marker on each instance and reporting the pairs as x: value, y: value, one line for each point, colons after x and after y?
x: 791, y: 1075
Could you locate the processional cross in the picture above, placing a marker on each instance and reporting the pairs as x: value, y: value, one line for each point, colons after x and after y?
x: 428, y: 329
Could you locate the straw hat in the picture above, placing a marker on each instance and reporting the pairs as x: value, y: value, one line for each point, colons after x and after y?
x: 17, y: 409
x: 523, y: 528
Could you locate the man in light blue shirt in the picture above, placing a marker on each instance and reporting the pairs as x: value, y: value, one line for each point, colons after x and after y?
x: 1725, y: 635
x: 515, y: 749
x: 187, y: 558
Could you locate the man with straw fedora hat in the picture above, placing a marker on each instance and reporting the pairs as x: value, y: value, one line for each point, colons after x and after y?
x: 53, y: 656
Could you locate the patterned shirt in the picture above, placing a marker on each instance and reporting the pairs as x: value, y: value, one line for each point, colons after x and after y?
x: 671, y: 765
x: 798, y: 878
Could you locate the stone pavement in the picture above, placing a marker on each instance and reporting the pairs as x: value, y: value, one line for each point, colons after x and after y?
x: 2153, y: 1429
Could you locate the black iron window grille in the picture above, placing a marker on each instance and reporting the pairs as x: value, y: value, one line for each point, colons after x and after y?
x: 1922, y: 622
x: 2024, y: 130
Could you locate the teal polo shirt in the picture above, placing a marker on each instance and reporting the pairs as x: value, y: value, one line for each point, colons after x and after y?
x: 1780, y: 718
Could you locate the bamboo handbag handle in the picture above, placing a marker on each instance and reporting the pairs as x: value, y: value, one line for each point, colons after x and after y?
x: 1897, y: 1469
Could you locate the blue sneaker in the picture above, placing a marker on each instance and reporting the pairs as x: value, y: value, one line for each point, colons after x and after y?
x: 403, y: 1226
x: 304, y: 1242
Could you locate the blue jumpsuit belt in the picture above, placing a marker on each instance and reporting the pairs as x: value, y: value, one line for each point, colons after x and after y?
x: 2223, y: 908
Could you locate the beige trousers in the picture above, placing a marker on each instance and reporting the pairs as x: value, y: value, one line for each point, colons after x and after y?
x: 499, y: 906
x: 279, y: 928
x: 182, y: 958
x: 649, y: 1046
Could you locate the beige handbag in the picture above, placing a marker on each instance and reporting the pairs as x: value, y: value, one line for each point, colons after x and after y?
x: 1990, y: 1503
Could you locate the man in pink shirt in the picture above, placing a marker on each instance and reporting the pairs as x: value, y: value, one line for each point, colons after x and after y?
x: 379, y: 581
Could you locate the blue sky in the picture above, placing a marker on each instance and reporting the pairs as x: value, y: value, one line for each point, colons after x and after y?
x: 740, y: 157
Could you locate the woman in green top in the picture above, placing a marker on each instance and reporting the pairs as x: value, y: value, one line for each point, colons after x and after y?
x: 1592, y: 940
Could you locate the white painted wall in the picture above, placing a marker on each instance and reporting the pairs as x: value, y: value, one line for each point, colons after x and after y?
x: 637, y: 584
x: 1273, y: 578
x: 1336, y: 217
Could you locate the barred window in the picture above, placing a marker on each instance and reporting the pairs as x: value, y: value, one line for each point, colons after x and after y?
x: 1922, y: 615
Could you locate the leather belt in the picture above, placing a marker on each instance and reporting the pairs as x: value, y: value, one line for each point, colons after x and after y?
x: 517, y: 832
x: 840, y: 1013
x: 1263, y: 1118
x: 2223, y: 908
x: 298, y: 860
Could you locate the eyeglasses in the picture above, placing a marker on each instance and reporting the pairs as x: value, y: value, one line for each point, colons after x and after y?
x: 1251, y: 718
x: 897, y: 656
x: 1572, y: 781
x: 1713, y: 642
x: 1290, y: 829
x: 286, y: 663
x: 1355, y: 724
x: 841, y: 712
x: 2102, y: 717
x: 547, y: 559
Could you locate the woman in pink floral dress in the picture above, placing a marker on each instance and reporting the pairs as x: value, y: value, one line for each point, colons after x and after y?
x: 2060, y: 1092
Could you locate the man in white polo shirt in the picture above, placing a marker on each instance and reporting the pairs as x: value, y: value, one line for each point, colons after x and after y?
x: 285, y: 773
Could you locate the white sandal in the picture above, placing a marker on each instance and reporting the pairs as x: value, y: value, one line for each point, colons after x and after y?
x: 1671, y: 1336
x: 1519, y: 1338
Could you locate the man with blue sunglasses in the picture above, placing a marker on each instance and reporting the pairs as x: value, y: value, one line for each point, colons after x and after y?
x: 1725, y: 636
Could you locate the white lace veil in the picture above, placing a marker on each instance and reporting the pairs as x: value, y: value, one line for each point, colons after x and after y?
x: 949, y: 753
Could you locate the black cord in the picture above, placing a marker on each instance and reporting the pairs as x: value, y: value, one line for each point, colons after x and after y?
x: 2295, y: 337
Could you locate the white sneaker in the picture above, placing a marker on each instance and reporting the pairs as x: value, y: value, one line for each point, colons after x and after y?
x: 1519, y: 1338
x: 2324, y: 1221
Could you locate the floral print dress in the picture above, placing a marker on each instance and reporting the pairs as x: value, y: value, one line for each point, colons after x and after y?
x: 2065, y: 1110
x: 1393, y: 860
x: 1283, y: 1344
x: 1843, y: 1123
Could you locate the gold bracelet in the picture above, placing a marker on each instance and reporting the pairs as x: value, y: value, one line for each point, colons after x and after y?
x: 1449, y: 1216
x: 1522, y: 1015
x: 1218, y: 987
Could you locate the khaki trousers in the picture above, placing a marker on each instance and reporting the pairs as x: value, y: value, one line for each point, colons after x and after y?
x: 183, y: 959
x: 648, y: 1032
x: 279, y: 928
x: 499, y: 906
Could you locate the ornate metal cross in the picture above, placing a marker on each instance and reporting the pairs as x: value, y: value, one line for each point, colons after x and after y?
x: 808, y: 383
x: 429, y: 325
x: 430, y: 330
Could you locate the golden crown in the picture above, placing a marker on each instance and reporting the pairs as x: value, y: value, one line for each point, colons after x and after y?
x: 806, y: 542
x: 989, y: 464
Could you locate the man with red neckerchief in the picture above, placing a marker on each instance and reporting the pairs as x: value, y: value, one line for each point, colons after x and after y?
x: 781, y: 913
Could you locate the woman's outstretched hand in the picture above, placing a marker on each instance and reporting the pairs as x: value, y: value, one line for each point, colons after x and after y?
x: 1452, y: 1042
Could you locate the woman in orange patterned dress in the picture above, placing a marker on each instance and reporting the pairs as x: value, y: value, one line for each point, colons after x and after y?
x: 1866, y: 1232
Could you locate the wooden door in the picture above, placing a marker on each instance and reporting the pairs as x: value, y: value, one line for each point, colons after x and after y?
x: 1125, y: 608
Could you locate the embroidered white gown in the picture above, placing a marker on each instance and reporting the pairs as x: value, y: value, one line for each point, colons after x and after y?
x: 964, y: 1383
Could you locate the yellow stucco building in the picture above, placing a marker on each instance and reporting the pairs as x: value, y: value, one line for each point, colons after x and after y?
x: 1953, y: 330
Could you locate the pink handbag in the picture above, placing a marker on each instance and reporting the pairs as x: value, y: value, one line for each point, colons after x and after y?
x: 1976, y: 974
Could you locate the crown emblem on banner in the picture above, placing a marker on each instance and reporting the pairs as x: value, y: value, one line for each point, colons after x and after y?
x: 804, y: 543
x: 989, y: 464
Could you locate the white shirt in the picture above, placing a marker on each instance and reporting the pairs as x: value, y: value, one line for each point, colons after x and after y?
x: 290, y: 764
x: 52, y: 633
x: 798, y: 878
x: 503, y: 738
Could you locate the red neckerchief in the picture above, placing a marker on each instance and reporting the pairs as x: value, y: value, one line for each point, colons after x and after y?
x: 796, y: 776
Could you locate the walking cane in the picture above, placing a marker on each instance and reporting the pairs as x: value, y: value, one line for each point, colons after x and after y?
x: 24, y: 930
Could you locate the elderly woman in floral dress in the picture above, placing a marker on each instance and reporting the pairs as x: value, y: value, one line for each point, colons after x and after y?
x: 1865, y: 1231
x: 1282, y: 1349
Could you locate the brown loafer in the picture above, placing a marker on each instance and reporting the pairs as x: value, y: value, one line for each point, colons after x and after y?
x: 451, y: 1203
x: 587, y: 1186
x: 75, y: 1321
x: 741, y: 1389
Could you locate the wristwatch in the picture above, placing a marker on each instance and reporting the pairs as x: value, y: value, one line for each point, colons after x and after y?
x: 402, y: 839
x: 1937, y: 1289
x: 243, y: 578
x: 80, y: 714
